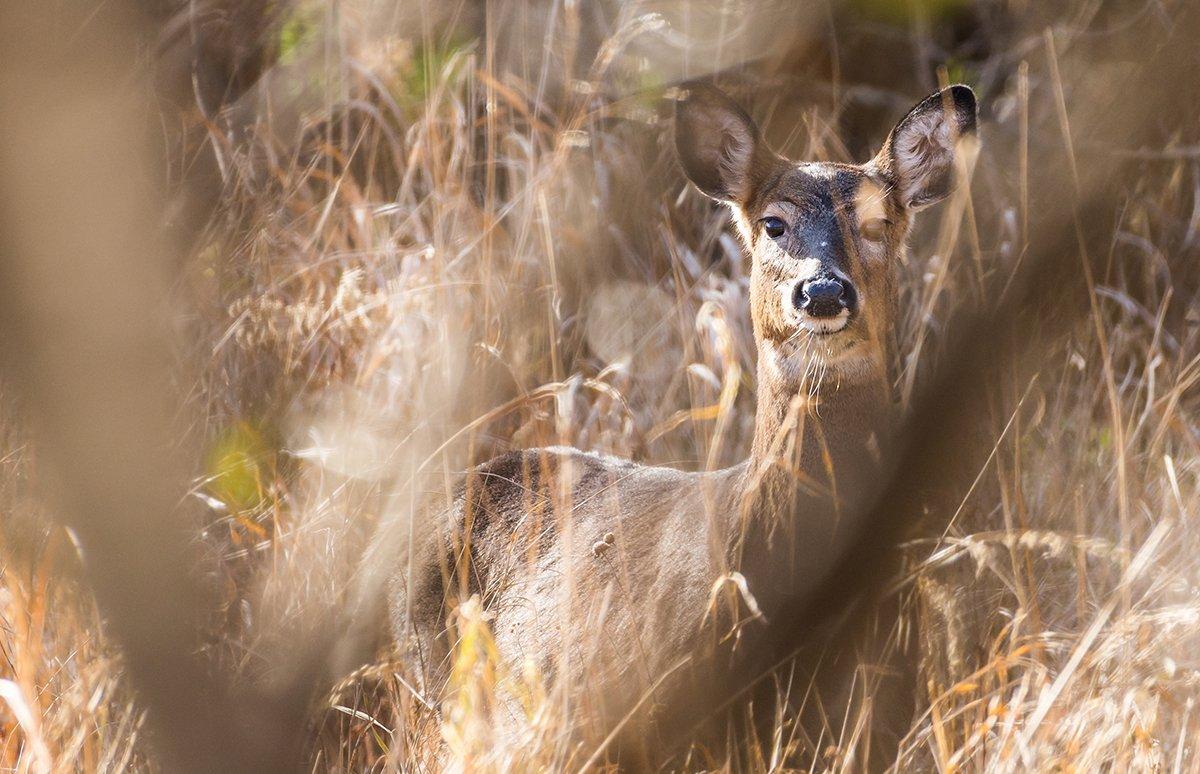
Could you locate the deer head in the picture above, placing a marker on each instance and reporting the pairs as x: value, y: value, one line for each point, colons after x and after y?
x: 825, y: 239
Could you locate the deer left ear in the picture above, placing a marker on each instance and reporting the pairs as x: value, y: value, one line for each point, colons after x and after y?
x: 929, y: 145
x: 718, y: 144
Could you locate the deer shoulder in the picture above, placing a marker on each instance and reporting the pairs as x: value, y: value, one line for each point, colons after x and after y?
x: 557, y: 537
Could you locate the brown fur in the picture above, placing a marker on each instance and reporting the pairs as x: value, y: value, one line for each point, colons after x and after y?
x: 608, y: 574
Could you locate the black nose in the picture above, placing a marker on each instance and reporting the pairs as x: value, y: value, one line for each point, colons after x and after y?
x: 825, y: 296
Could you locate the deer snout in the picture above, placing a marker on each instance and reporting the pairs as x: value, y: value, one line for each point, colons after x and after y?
x: 825, y: 297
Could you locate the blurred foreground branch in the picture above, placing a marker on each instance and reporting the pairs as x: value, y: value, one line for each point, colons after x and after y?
x: 83, y: 302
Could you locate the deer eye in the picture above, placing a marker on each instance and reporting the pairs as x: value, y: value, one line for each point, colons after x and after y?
x: 774, y: 227
x: 873, y: 230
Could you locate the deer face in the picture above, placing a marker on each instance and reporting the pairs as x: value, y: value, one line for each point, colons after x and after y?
x: 825, y: 239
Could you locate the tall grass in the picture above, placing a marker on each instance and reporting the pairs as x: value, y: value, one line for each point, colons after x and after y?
x: 446, y: 235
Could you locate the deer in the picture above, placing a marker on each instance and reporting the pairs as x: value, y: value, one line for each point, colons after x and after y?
x: 635, y: 587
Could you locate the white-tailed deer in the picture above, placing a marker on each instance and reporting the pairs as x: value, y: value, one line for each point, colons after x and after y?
x: 610, y: 575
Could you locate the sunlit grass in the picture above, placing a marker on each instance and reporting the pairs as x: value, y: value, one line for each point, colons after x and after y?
x: 435, y: 272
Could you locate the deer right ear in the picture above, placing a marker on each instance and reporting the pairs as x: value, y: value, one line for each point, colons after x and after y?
x: 718, y: 144
x: 925, y: 150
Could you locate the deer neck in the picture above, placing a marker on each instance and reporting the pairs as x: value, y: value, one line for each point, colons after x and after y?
x: 814, y: 465
x: 804, y: 426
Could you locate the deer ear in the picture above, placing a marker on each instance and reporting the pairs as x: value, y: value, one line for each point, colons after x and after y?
x: 924, y: 150
x: 719, y: 146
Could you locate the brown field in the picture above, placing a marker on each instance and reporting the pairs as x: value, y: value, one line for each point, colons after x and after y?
x: 415, y: 237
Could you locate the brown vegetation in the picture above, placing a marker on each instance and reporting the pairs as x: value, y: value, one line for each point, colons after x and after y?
x: 420, y: 239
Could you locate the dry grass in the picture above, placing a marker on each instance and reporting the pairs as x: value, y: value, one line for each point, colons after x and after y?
x: 433, y: 247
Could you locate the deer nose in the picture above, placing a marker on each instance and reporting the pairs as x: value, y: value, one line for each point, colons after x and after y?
x: 825, y: 296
